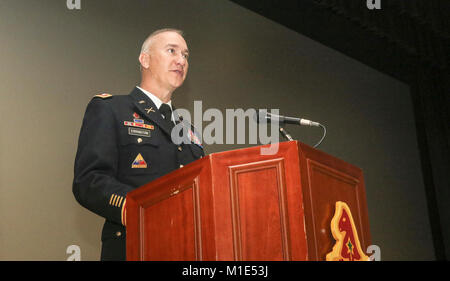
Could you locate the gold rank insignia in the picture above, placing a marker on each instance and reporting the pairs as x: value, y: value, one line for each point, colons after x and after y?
x: 116, y: 200
x: 103, y: 96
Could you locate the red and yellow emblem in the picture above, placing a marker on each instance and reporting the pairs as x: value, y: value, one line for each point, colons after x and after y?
x: 139, y: 162
x: 138, y: 124
x: 347, y: 247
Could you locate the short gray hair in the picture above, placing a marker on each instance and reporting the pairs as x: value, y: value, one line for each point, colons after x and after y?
x: 147, y: 43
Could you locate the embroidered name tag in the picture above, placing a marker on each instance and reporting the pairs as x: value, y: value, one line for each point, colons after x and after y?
x: 139, y: 132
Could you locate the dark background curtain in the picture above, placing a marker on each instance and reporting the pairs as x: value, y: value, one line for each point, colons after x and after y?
x: 407, y: 39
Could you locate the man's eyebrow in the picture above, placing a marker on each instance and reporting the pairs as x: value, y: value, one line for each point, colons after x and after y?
x: 176, y: 46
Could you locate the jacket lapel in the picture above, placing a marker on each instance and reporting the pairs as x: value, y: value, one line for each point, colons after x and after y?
x: 189, y: 133
x: 147, y: 108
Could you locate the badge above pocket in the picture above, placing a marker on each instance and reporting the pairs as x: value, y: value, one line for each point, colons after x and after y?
x: 139, y: 132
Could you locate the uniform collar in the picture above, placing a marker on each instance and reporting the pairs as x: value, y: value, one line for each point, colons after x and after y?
x: 154, y: 98
x: 145, y: 106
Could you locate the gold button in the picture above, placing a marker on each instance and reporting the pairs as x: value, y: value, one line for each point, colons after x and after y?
x: 118, y: 233
x: 139, y: 140
x: 179, y: 148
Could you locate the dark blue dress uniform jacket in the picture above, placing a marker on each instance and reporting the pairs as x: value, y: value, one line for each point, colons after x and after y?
x: 107, y: 149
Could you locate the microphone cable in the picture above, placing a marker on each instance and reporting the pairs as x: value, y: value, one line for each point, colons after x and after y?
x: 323, y: 136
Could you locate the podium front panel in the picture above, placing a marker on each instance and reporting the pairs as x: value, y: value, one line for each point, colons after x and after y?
x: 170, y: 228
x: 326, y: 180
x: 259, y: 208
x: 164, y: 220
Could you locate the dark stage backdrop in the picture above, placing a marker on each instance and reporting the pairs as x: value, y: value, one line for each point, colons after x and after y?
x: 55, y: 59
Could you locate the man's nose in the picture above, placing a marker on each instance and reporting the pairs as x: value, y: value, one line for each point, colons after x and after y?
x: 181, y: 60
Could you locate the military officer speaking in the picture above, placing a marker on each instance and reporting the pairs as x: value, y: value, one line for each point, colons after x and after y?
x: 125, y: 140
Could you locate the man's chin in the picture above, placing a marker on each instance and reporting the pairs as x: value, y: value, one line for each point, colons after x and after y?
x: 177, y: 84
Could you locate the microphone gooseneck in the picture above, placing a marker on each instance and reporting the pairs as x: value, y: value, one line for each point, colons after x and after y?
x: 263, y: 116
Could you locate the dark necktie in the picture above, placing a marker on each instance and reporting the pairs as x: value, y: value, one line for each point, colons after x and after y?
x: 166, y: 111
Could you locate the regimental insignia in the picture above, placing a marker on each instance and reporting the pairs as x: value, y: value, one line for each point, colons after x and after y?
x: 139, y: 162
x: 347, y: 247
x: 136, y: 116
x: 103, y: 96
x: 149, y: 110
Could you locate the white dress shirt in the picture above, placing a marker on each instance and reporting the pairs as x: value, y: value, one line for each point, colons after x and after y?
x: 156, y: 100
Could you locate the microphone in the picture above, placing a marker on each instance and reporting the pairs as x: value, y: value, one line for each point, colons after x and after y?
x: 264, y: 116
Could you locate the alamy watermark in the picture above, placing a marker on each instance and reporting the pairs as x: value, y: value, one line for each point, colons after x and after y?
x: 375, y: 252
x: 76, y: 4
x: 73, y: 4
x: 74, y: 252
x: 222, y: 129
x: 373, y: 4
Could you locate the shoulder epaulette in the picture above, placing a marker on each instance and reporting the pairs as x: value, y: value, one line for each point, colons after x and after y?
x: 103, y: 96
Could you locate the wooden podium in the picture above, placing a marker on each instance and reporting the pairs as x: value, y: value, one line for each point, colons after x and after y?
x: 241, y: 205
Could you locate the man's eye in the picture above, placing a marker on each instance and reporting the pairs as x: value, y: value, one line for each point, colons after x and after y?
x: 171, y: 50
x: 186, y: 56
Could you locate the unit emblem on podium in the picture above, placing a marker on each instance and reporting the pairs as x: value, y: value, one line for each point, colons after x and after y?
x: 347, y: 247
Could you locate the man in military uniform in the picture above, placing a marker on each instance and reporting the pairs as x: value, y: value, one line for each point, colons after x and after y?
x: 125, y: 141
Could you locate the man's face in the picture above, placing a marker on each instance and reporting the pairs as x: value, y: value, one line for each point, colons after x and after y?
x: 168, y: 62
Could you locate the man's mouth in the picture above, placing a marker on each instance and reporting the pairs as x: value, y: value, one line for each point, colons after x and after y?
x: 178, y: 71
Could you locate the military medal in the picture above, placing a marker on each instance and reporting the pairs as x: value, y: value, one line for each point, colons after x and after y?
x: 137, y: 118
x: 141, y: 126
x: 138, y: 124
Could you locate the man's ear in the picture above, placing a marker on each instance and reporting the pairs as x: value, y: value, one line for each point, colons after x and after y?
x: 144, y: 59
